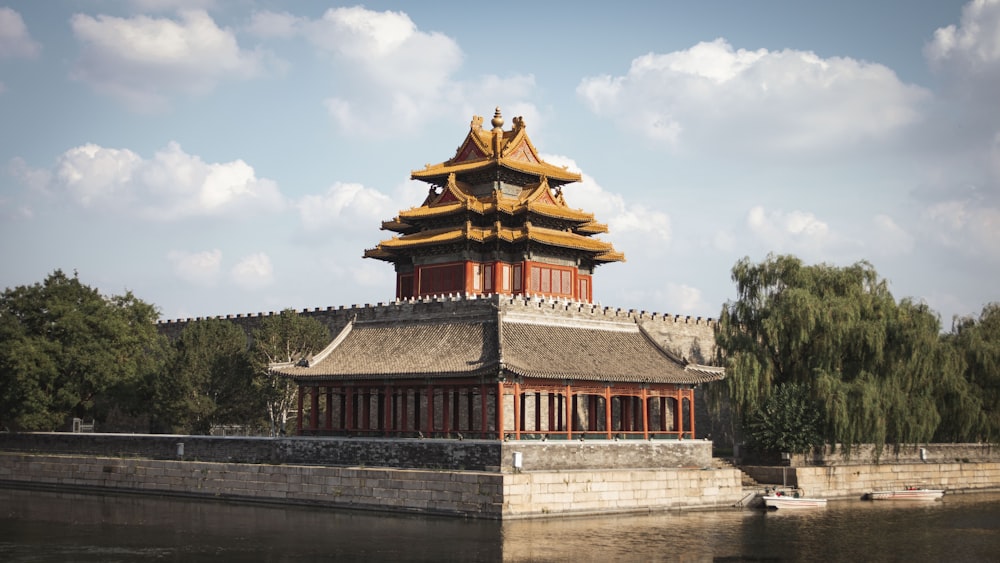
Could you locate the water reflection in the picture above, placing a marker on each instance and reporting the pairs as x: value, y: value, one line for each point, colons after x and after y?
x: 49, y: 526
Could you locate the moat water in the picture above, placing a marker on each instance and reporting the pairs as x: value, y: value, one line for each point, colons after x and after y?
x: 41, y: 526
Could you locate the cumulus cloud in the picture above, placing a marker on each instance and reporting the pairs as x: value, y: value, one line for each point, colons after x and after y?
x: 890, y: 238
x: 622, y: 218
x: 282, y: 25
x: 360, y: 205
x: 253, y: 272
x: 788, y: 231
x: 402, y: 71
x: 142, y: 60
x: 172, y: 185
x: 969, y: 53
x: 965, y: 226
x: 199, y: 268
x: 15, y: 41
x: 713, y: 96
x: 170, y: 5
x: 680, y: 298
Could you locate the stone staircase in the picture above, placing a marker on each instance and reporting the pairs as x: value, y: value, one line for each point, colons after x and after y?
x: 752, y: 490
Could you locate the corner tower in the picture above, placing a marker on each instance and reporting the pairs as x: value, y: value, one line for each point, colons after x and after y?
x: 495, y: 222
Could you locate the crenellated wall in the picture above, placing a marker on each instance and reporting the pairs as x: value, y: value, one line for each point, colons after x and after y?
x: 690, y: 337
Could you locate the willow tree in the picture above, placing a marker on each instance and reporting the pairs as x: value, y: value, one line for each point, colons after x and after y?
x: 977, y: 341
x: 876, y: 366
x: 283, y: 338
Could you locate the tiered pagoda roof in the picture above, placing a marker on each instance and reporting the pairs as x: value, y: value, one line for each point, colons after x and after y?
x: 495, y: 189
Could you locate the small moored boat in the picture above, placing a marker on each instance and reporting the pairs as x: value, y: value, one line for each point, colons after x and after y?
x: 780, y: 499
x: 909, y: 493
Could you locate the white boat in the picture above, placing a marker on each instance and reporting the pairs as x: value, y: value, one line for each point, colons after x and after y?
x: 781, y: 500
x: 909, y: 493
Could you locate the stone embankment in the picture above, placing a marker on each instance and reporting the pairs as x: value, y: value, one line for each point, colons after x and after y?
x: 479, y: 479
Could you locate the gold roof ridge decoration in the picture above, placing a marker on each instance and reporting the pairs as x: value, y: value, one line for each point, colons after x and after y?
x: 490, y: 191
x: 485, y: 149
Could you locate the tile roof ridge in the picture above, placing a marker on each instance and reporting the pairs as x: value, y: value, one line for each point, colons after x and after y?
x: 341, y: 336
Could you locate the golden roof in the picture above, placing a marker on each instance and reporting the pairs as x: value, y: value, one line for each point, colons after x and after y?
x: 456, y: 198
x: 603, y: 251
x: 484, y: 150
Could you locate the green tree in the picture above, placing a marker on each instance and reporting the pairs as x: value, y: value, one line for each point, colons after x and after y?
x: 210, y: 381
x: 280, y: 338
x: 877, y: 367
x: 64, y: 347
x: 977, y: 342
x: 789, y: 420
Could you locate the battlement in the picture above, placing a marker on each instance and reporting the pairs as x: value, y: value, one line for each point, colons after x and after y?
x: 456, y: 300
x: 690, y: 337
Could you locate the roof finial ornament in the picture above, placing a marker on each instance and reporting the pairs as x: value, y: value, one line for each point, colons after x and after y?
x: 497, y: 120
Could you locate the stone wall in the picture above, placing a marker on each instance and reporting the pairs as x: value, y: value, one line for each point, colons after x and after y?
x: 846, y: 481
x: 460, y: 493
x: 479, y: 455
x: 468, y: 493
x: 601, y: 492
x: 866, y: 453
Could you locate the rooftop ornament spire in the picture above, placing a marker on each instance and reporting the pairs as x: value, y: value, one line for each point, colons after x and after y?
x: 497, y: 120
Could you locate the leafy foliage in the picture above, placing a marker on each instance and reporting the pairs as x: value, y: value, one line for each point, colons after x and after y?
x: 977, y: 342
x: 64, y: 346
x: 286, y: 337
x: 789, y: 420
x: 210, y: 381
x: 878, y: 367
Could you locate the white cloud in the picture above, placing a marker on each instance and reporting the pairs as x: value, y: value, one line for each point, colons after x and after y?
x: 253, y: 272
x: 274, y: 24
x: 890, y: 238
x: 623, y: 219
x: 394, y: 73
x: 784, y: 232
x: 172, y: 185
x: 360, y: 206
x: 170, y: 5
x: 713, y: 97
x: 965, y: 226
x: 142, y: 60
x: 680, y: 298
x: 972, y: 48
x: 200, y: 268
x: 15, y: 41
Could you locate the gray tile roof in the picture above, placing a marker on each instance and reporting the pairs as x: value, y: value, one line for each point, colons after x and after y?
x: 476, y: 347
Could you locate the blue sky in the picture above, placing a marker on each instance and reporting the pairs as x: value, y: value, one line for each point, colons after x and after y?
x: 233, y: 157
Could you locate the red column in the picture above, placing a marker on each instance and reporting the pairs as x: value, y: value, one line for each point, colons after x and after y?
x: 430, y: 409
x: 445, y: 411
x: 483, y: 411
x: 349, y: 409
x: 645, y: 415
x: 314, y: 404
x: 678, y: 413
x: 691, y: 410
x: 552, y: 410
x: 569, y: 412
x: 499, y: 413
x: 607, y: 409
x: 517, y: 411
x: 387, y: 409
x: 329, y: 408
x: 406, y: 410
x: 298, y: 416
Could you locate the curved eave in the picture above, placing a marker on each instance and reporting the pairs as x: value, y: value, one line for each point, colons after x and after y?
x: 592, y: 228
x: 603, y: 251
x: 437, y: 174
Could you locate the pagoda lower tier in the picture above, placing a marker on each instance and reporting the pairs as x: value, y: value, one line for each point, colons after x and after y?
x: 495, y: 277
x: 496, y: 368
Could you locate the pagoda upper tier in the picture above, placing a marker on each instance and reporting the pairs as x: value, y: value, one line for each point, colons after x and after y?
x: 495, y: 221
